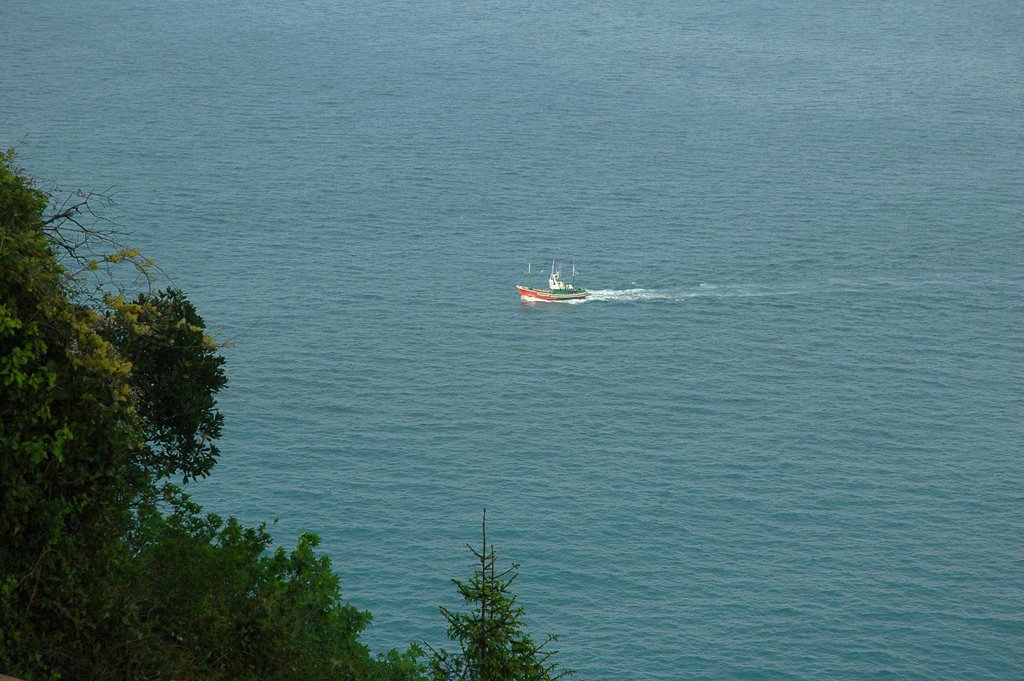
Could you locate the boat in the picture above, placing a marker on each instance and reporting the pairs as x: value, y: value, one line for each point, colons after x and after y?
x: 557, y: 291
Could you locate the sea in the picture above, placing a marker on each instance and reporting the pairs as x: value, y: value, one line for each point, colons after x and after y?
x: 783, y: 439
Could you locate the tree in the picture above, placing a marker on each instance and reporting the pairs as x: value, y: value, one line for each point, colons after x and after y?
x: 67, y: 437
x: 176, y: 373
x: 232, y: 607
x: 492, y: 637
x: 106, y: 569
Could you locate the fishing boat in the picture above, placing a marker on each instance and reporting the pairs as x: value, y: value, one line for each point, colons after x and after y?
x: 557, y: 290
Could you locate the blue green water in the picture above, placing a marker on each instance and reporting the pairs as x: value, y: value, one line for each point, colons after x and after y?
x: 781, y: 441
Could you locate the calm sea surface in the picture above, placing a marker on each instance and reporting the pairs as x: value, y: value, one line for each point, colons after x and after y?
x: 783, y: 440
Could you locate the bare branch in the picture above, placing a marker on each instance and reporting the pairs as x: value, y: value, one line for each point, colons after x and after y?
x: 94, y: 245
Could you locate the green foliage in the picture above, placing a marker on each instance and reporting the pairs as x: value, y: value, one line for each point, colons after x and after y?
x: 107, y: 571
x: 176, y: 372
x: 67, y: 433
x: 492, y: 637
x: 226, y: 606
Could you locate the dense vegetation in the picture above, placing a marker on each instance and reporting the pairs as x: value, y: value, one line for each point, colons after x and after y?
x: 107, y: 569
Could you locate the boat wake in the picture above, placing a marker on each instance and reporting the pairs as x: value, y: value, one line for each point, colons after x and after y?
x: 639, y: 294
x: 679, y: 295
